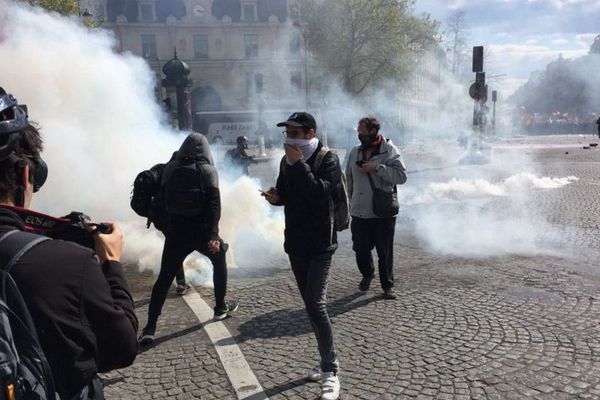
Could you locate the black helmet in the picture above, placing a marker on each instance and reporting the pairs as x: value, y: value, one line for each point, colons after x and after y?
x: 242, y: 141
x: 13, y: 119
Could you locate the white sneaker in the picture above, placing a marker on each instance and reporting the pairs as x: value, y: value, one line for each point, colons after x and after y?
x: 330, y: 388
x: 314, y: 375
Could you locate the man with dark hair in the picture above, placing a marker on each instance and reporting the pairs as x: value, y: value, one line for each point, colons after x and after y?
x: 309, y: 174
x: 373, y: 165
x: 190, y: 191
x: 79, y: 299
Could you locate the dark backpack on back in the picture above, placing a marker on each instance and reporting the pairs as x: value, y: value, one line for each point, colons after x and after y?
x: 24, y: 371
x: 183, y: 188
x: 146, y: 199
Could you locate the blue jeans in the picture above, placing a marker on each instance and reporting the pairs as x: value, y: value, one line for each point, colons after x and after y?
x: 311, y: 275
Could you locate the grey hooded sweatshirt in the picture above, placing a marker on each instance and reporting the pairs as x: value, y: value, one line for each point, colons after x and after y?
x: 390, y: 171
x: 195, y: 148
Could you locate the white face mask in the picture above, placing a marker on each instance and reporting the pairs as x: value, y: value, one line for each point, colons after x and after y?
x: 307, y: 146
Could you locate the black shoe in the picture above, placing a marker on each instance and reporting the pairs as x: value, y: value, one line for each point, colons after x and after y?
x: 365, y: 282
x: 182, y: 288
x: 389, y: 294
x: 147, y: 336
x: 226, y: 311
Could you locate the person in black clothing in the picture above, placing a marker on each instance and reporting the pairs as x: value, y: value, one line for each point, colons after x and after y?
x: 79, y: 299
x: 184, y: 234
x: 239, y: 157
x: 310, y: 238
x: 598, y: 122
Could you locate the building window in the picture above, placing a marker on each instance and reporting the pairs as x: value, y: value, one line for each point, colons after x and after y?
x: 296, y: 81
x: 147, y: 12
x: 200, y: 46
x: 149, y: 46
x: 249, y: 12
x: 295, y: 44
x: 251, y: 45
x: 254, y: 83
x: 258, y: 83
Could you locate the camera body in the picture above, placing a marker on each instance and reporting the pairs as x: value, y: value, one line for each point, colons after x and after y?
x: 71, y: 228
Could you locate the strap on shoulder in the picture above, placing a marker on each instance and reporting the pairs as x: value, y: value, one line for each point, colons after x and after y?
x: 14, y: 244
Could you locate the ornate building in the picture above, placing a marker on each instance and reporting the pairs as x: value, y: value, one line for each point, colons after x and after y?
x: 244, y: 55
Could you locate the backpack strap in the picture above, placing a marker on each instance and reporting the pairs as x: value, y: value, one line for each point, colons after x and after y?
x: 319, y: 159
x: 14, y: 244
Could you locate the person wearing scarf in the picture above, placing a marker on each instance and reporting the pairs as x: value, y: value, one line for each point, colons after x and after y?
x: 376, y: 161
x: 305, y: 191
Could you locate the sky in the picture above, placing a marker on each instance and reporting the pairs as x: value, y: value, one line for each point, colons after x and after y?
x: 522, y: 36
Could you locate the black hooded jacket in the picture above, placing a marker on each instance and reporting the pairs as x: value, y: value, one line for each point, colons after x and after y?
x: 306, y: 196
x: 195, y: 148
x: 83, y: 311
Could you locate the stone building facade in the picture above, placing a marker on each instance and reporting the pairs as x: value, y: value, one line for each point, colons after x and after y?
x: 244, y: 55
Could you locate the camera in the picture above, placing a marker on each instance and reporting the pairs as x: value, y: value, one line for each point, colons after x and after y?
x: 73, y: 227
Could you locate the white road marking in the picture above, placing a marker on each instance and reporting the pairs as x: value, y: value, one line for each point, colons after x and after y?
x: 240, y: 375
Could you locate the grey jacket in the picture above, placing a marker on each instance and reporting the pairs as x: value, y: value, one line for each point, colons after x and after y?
x: 390, y: 171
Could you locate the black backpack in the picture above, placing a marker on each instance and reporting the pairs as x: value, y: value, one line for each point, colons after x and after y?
x: 183, y: 188
x: 24, y: 371
x: 146, y: 197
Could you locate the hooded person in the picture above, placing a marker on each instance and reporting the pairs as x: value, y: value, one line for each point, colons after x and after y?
x: 190, y: 191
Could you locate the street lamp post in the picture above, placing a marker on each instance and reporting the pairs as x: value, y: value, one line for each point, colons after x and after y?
x: 176, y: 72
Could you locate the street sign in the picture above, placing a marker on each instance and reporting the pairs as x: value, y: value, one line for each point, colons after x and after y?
x: 478, y: 91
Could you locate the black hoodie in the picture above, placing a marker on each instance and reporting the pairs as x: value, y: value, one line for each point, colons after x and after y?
x: 195, y: 148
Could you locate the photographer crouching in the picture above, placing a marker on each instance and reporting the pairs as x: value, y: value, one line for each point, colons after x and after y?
x: 79, y: 299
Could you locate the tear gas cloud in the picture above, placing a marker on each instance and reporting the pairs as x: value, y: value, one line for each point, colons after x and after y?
x: 101, y: 126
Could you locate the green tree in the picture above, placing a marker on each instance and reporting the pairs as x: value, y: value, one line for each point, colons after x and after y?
x: 63, y: 7
x: 67, y: 7
x: 364, y: 42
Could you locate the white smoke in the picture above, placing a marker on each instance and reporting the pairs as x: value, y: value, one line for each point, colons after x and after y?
x: 480, y: 217
x: 463, y: 189
x: 101, y: 126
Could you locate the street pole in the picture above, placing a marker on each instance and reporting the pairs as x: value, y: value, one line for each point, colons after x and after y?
x: 306, y: 83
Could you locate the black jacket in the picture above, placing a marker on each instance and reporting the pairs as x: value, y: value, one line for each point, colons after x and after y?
x: 83, y: 312
x: 195, y: 148
x: 306, y: 197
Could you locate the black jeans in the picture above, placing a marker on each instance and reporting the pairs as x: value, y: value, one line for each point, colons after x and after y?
x: 93, y: 391
x: 311, y: 275
x: 176, y: 249
x: 379, y: 233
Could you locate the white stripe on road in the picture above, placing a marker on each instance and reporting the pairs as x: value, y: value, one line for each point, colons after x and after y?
x: 240, y: 375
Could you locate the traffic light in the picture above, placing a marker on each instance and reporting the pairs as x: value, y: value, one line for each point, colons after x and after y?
x: 477, y: 58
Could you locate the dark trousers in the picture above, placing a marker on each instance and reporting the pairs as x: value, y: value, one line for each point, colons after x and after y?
x: 175, y: 251
x: 379, y: 233
x: 93, y: 391
x: 311, y: 276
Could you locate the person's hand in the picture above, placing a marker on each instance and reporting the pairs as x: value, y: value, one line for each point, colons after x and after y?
x: 109, y: 247
x: 214, y: 246
x: 271, y: 196
x: 293, y: 153
x: 369, y: 167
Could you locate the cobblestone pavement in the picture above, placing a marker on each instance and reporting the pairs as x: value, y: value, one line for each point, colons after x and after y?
x: 507, y: 326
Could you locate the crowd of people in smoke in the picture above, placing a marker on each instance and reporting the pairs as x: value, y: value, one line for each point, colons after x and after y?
x: 67, y: 311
